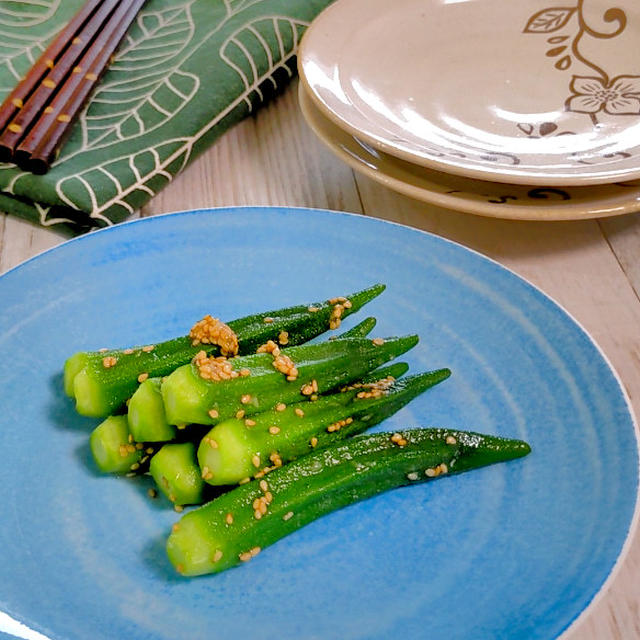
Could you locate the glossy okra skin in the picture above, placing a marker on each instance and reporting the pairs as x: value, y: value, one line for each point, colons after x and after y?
x: 146, y: 414
x: 188, y: 398
x: 232, y: 450
x: 176, y: 469
x: 177, y: 474
x: 101, y: 390
x: 236, y: 526
x: 360, y: 330
x: 112, y: 447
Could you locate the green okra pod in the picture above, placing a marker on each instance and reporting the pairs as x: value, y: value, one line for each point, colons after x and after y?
x: 236, y: 526
x: 177, y: 474
x: 102, y: 381
x: 146, y: 414
x: 231, y: 451
x: 115, y: 451
x: 207, y: 392
x: 175, y: 467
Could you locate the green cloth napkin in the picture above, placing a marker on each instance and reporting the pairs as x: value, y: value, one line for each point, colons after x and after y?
x: 185, y: 72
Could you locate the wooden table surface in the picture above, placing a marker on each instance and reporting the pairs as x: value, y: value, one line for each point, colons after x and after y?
x: 591, y: 267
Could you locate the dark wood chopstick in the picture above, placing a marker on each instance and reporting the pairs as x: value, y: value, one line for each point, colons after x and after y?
x: 38, y: 149
x: 56, y: 88
x: 16, y: 99
x: 54, y: 79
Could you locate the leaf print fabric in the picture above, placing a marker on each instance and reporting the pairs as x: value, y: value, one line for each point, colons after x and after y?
x: 185, y: 72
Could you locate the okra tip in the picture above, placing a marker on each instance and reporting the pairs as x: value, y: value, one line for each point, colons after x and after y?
x: 360, y: 298
x: 483, y: 449
x: 441, y: 374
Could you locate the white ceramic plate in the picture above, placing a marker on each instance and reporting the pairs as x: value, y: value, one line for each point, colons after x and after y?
x: 523, y: 92
x: 479, y: 197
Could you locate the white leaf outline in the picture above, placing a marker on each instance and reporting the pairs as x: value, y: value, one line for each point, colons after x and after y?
x: 23, y: 16
x: 24, y: 42
x: 45, y: 221
x: 158, y: 76
x: 232, y: 11
x: 140, y: 183
x: 273, y: 65
x: 235, y: 6
x: 186, y: 144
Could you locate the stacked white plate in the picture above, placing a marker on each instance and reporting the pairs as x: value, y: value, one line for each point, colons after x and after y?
x: 507, y: 109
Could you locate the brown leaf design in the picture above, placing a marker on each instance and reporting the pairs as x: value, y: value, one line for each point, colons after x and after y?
x: 501, y: 199
x: 549, y: 20
x: 546, y: 193
x: 547, y: 128
x: 526, y: 128
x: 563, y: 63
x: 556, y: 51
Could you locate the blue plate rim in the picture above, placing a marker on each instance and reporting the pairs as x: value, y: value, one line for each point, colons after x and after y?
x: 634, y: 524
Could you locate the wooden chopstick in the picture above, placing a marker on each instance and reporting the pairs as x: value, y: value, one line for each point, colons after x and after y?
x: 16, y: 99
x: 58, y: 87
x: 38, y: 149
x: 55, y: 76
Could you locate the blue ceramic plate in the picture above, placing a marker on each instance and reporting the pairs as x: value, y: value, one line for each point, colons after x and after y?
x: 516, y: 550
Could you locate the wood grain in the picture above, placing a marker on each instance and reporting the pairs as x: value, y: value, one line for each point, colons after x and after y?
x: 592, y: 268
x: 20, y: 240
x: 270, y: 159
